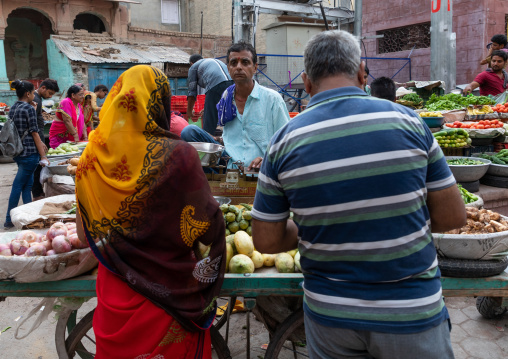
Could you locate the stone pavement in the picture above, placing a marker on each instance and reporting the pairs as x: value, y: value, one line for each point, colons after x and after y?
x: 473, y: 337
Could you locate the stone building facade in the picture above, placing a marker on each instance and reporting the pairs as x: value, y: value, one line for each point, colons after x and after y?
x: 406, y: 25
x: 26, y: 26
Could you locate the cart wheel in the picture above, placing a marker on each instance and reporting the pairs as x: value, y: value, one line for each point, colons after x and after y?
x: 220, y: 320
x: 490, y: 308
x: 219, y: 345
x: 277, y: 342
x: 81, y: 340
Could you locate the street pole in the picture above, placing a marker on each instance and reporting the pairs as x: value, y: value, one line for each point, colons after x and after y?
x: 443, y: 53
x: 357, y: 30
x: 242, y: 30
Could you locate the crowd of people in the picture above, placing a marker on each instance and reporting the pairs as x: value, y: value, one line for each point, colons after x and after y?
x: 73, y: 122
x: 364, y: 177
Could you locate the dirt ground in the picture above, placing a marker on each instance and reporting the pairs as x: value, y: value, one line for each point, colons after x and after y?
x: 473, y: 337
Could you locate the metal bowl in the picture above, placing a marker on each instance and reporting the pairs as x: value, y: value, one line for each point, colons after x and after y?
x: 60, y: 170
x: 494, y: 168
x: 222, y: 200
x: 433, y: 122
x: 209, y: 153
x: 469, y: 173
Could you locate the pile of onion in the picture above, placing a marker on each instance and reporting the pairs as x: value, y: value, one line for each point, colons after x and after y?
x: 60, y: 238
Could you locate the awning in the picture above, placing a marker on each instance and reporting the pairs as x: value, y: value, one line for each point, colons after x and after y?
x: 110, y: 52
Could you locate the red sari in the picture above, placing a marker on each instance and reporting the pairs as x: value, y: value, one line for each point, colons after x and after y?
x: 119, y: 309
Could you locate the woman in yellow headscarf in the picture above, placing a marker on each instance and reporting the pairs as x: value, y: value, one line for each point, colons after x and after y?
x: 143, y: 196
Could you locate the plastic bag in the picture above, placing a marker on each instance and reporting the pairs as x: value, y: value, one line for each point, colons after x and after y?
x: 501, y: 98
x: 57, y: 305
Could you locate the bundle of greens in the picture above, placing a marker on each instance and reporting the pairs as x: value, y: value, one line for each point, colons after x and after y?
x: 413, y: 97
x: 453, y: 101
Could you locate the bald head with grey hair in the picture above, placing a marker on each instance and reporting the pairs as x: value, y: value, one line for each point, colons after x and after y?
x: 332, y: 53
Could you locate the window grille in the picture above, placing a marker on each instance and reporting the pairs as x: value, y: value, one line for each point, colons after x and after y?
x: 404, y: 38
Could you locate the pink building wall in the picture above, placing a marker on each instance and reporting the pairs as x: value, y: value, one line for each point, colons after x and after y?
x: 474, y: 22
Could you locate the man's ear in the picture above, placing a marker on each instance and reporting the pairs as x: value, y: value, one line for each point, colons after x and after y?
x: 307, y: 83
x: 361, y: 72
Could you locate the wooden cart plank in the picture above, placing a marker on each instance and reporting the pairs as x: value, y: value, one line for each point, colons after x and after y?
x: 251, y: 285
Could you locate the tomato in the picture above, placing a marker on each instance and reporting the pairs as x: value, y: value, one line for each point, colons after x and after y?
x: 487, y: 126
x: 481, y: 127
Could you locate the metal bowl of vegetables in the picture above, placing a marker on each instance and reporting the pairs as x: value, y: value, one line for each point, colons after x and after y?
x: 468, y: 169
x: 499, y: 163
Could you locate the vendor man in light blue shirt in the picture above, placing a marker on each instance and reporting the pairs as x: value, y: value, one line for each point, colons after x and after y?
x: 250, y: 113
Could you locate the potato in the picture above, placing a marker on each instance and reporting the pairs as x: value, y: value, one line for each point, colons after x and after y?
x: 74, y: 161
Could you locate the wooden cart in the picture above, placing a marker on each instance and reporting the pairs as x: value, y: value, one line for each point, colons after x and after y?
x: 248, y: 286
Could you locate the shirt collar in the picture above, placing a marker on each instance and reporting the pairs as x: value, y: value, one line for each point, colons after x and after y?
x: 255, y: 91
x: 337, y: 92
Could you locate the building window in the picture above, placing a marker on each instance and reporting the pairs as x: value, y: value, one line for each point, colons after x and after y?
x: 404, y: 38
x: 169, y: 11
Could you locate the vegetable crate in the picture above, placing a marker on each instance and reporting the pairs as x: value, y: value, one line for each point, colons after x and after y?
x: 425, y: 94
x: 482, y: 149
x: 462, y: 152
x: 232, y: 184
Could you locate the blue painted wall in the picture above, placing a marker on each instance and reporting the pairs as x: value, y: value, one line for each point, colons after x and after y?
x: 59, y: 67
x: 8, y: 97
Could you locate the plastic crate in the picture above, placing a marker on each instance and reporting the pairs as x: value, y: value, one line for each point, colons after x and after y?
x: 481, y: 149
x: 461, y: 152
x: 200, y: 103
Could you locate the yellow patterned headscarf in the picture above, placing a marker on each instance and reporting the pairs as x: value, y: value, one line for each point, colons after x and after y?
x: 142, y: 191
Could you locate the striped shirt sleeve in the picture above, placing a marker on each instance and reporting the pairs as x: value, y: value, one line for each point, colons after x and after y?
x: 270, y: 203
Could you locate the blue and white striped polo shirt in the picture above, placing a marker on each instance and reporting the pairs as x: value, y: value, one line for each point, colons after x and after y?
x: 355, y: 171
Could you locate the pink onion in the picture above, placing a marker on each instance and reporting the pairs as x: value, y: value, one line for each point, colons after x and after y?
x: 57, y: 229
x: 19, y: 246
x: 71, y: 231
x: 28, y: 236
x: 37, y: 250
x: 70, y: 225
x: 5, y: 250
x: 47, y: 245
x: 61, y: 244
x: 76, y: 243
x: 51, y: 252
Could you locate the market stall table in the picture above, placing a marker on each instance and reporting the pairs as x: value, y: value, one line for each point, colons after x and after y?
x: 242, y: 285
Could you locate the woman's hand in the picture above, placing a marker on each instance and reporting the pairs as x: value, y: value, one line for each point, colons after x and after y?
x: 76, y: 137
x: 44, y: 161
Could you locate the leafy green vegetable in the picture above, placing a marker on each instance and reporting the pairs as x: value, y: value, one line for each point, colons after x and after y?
x: 3, y: 119
x: 413, y: 97
x: 454, y: 101
x: 467, y: 197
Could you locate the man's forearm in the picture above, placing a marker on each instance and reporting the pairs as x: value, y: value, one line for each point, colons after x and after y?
x: 274, y: 237
x: 191, y: 100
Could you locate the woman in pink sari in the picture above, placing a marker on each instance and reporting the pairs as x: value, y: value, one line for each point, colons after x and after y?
x: 70, y: 121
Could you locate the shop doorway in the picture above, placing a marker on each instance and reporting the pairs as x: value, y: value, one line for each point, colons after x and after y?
x: 90, y: 23
x: 25, y: 44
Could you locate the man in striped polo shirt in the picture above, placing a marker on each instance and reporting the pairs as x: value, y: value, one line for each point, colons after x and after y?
x: 366, y: 182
